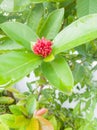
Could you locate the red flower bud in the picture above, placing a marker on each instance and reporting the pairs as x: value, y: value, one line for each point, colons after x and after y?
x: 42, y: 47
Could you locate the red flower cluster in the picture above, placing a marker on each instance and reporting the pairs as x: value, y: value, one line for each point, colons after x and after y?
x: 42, y: 47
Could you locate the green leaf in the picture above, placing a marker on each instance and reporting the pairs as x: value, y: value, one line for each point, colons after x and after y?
x: 35, y: 16
x: 77, y: 109
x: 22, y: 128
x: 15, y: 109
x: 21, y: 106
x: 91, y: 109
x: 7, y: 119
x: 54, y: 122
x: 78, y: 73
x: 8, y: 45
x: 7, y: 5
x: 41, y: 1
x: 88, y: 126
x: 19, y: 5
x: 6, y: 100
x: 20, y: 33
x: 59, y: 74
x: 78, y: 33
x: 85, y: 7
x: 16, y: 65
x: 68, y: 129
x: 31, y: 104
x: 52, y: 25
x: 1, y: 1
x: 3, y: 126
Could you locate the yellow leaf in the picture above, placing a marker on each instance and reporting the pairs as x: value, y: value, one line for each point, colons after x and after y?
x: 20, y: 121
x: 44, y: 124
x: 3, y: 127
x: 33, y: 124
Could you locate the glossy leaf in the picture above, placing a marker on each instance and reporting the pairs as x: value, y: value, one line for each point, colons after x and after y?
x: 59, y: 74
x: 85, y: 7
x: 35, y: 16
x: 52, y: 25
x: 8, y: 45
x: 31, y: 104
x: 79, y: 32
x: 20, y: 33
x: 16, y: 65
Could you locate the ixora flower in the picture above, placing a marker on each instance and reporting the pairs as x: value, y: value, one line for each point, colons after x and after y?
x: 42, y: 47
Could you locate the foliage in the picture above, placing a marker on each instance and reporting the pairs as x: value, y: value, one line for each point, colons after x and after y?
x: 71, y: 26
